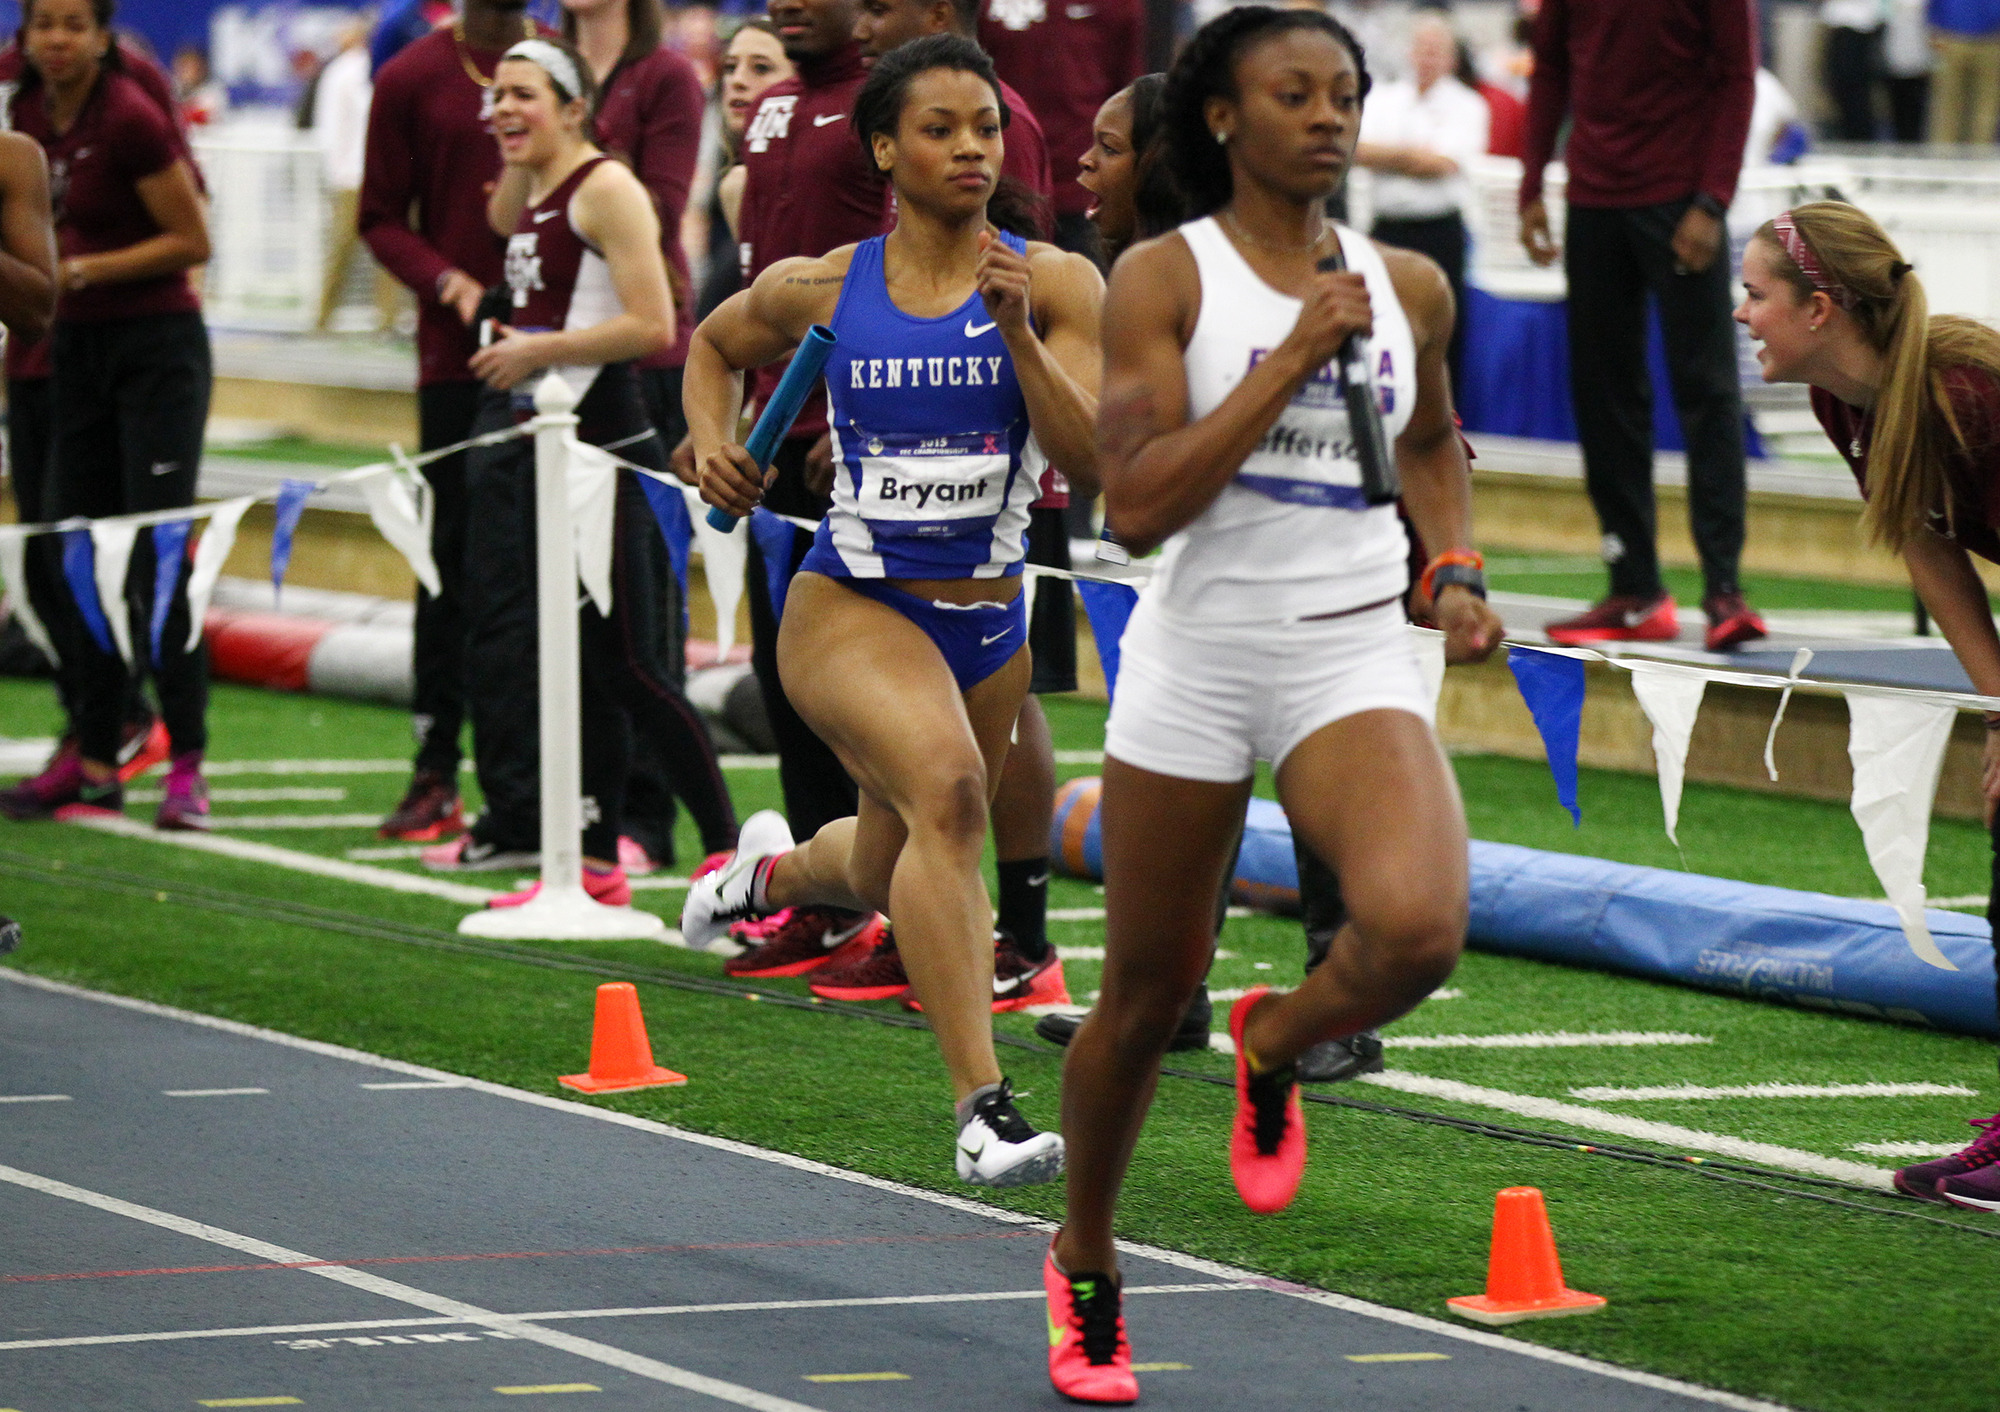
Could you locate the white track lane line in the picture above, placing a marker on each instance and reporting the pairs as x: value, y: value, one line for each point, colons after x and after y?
x: 209, y: 1092
x: 370, y: 1283
x: 1194, y: 1264
x: 557, y: 1315
x: 1576, y: 1115
x: 1670, y: 1092
x: 34, y: 1098
x: 296, y: 861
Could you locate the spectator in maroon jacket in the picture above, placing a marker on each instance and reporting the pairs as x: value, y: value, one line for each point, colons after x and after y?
x: 1066, y: 58
x: 1658, y: 98
x: 423, y: 214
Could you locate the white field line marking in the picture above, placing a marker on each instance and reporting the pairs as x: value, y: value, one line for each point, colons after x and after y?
x: 1665, y: 1134
x: 1233, y: 994
x: 655, y: 883
x: 294, y: 821
x: 557, y: 1315
x: 296, y: 861
x: 374, y: 1284
x: 284, y: 794
x: 209, y: 1092
x: 387, y: 853
x: 1079, y: 757
x: 1194, y: 1264
x: 1096, y: 953
x: 1545, y: 1039
x: 747, y: 762
x: 417, y: 1083
x: 216, y: 769
x: 1656, y: 1092
x: 34, y: 1098
x: 1096, y: 914
x: 1971, y: 899
x: 1907, y: 1149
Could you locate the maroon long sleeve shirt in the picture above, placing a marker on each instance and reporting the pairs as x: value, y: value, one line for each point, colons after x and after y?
x: 430, y: 157
x: 650, y: 114
x: 1658, y: 93
x: 1066, y: 57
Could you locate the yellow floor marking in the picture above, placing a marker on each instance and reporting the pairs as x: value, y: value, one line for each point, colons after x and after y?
x: 1398, y: 1357
x: 857, y: 1377
x: 1162, y: 1367
x: 250, y: 1402
x: 549, y: 1387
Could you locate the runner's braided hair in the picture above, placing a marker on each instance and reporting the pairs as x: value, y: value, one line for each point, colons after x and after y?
x: 879, y: 108
x: 1207, y: 69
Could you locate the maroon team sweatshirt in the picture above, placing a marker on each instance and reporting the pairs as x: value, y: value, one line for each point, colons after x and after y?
x: 1066, y: 57
x: 650, y: 113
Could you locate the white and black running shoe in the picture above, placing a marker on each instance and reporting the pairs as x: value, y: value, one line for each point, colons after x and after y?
x: 997, y: 1147
x: 728, y: 894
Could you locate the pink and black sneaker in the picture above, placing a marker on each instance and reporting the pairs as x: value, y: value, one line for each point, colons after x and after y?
x: 1974, y: 1171
x: 609, y: 886
x: 185, y: 805
x: 39, y: 796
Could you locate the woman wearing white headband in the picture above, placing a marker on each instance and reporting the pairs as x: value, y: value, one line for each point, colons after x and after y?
x: 1912, y: 403
x: 585, y: 294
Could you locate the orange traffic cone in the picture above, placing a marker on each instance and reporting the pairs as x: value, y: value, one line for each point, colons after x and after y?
x: 1524, y: 1280
x: 621, y: 1057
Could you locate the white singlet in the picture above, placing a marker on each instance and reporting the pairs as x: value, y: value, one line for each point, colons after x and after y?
x: 1290, y: 536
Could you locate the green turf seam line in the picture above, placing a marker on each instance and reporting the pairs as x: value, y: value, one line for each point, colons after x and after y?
x: 329, y: 919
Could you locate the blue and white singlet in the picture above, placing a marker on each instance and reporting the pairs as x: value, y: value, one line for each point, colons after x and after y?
x: 928, y: 429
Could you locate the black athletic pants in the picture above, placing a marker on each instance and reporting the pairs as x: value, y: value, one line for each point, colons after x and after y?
x: 29, y: 435
x: 1614, y: 259
x: 1443, y: 239
x: 816, y: 788
x: 445, y: 414
x: 128, y: 405
x: 1852, y: 62
x: 624, y: 686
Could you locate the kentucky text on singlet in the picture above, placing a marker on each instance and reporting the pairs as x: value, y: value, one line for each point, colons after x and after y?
x: 929, y: 427
x: 558, y: 278
x: 1290, y: 536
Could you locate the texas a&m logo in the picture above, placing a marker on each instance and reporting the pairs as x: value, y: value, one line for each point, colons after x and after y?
x: 1017, y: 15
x: 524, y: 267
x: 772, y: 123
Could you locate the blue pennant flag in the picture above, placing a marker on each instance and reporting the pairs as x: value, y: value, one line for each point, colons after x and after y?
x: 1109, y: 607
x: 292, y: 496
x: 1552, y: 685
x: 776, y: 537
x: 169, y: 559
x: 670, y: 509
x: 79, y: 566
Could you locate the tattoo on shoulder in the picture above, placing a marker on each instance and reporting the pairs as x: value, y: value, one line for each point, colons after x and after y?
x: 812, y: 280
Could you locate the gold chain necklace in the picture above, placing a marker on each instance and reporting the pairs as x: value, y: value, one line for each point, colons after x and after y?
x: 465, y: 59
x: 1326, y: 228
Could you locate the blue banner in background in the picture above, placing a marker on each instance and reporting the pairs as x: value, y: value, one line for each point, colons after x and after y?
x: 79, y: 566
x: 1552, y: 685
x: 169, y: 559
x: 292, y: 497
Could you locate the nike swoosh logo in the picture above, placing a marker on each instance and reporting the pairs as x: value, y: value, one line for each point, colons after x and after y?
x: 1081, y: 12
x: 165, y: 468
x: 989, y: 641
x: 1001, y: 987
x: 541, y: 216
x: 973, y: 330
x: 1038, y: 880
x: 823, y: 119
x: 1055, y: 1334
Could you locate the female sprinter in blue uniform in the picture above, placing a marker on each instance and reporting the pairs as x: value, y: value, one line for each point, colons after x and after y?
x: 954, y: 342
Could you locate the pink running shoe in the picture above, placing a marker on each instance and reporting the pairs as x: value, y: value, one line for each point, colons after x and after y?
x: 39, y: 796
x: 1089, y: 1359
x: 633, y: 857
x: 184, y: 809
x: 1267, y: 1145
x: 1923, y: 1180
x: 613, y: 889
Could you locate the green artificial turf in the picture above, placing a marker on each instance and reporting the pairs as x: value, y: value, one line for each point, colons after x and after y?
x: 303, y: 450
x: 1764, y: 1293
x: 1575, y: 576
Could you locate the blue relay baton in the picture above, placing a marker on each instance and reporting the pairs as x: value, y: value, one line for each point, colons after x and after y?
x: 783, y: 409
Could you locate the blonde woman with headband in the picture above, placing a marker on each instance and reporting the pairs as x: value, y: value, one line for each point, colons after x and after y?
x: 1912, y: 402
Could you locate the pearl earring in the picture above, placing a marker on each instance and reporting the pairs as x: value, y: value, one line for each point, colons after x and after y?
x: 1222, y: 139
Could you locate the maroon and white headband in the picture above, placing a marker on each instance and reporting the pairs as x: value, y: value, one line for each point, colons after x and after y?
x: 1802, y: 256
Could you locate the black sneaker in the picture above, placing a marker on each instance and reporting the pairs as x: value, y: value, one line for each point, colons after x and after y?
x: 1333, y: 1061
x: 1191, y: 1034
x: 10, y: 935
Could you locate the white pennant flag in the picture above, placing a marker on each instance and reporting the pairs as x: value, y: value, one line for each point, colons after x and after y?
x: 402, y: 514
x: 1799, y: 660
x: 111, y: 550
x: 216, y: 542
x: 593, y: 506
x: 14, y: 574
x: 1671, y: 698
x: 1429, y: 643
x: 1897, y: 746
x: 723, y: 557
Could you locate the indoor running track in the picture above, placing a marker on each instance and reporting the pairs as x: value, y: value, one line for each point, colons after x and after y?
x: 216, y: 1216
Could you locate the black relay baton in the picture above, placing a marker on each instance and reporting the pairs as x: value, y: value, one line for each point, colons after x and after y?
x: 1379, y: 483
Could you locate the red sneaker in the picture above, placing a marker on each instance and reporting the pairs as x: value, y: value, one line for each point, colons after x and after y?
x: 430, y: 810
x: 1089, y: 1359
x: 613, y: 889
x: 1018, y: 982
x: 1619, y: 618
x: 141, y: 748
x: 873, y: 974
x: 711, y: 863
x: 804, y: 939
x: 1267, y: 1145
x: 1731, y: 622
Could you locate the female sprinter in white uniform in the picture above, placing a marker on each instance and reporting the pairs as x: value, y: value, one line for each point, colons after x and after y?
x: 903, y: 642
x: 1273, y: 629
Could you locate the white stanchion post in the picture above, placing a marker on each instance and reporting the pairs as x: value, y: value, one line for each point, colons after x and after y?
x: 562, y: 911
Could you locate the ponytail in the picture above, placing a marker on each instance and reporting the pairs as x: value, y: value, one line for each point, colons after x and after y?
x: 1851, y: 259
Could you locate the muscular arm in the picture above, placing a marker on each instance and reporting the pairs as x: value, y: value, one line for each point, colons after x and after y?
x: 27, y: 239
x: 171, y: 200
x: 1059, y: 371
x: 1160, y: 471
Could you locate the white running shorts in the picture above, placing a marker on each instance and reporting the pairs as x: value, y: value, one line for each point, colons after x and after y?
x: 1206, y: 702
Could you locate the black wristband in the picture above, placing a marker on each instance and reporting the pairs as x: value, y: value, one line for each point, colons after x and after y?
x: 1466, y: 576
